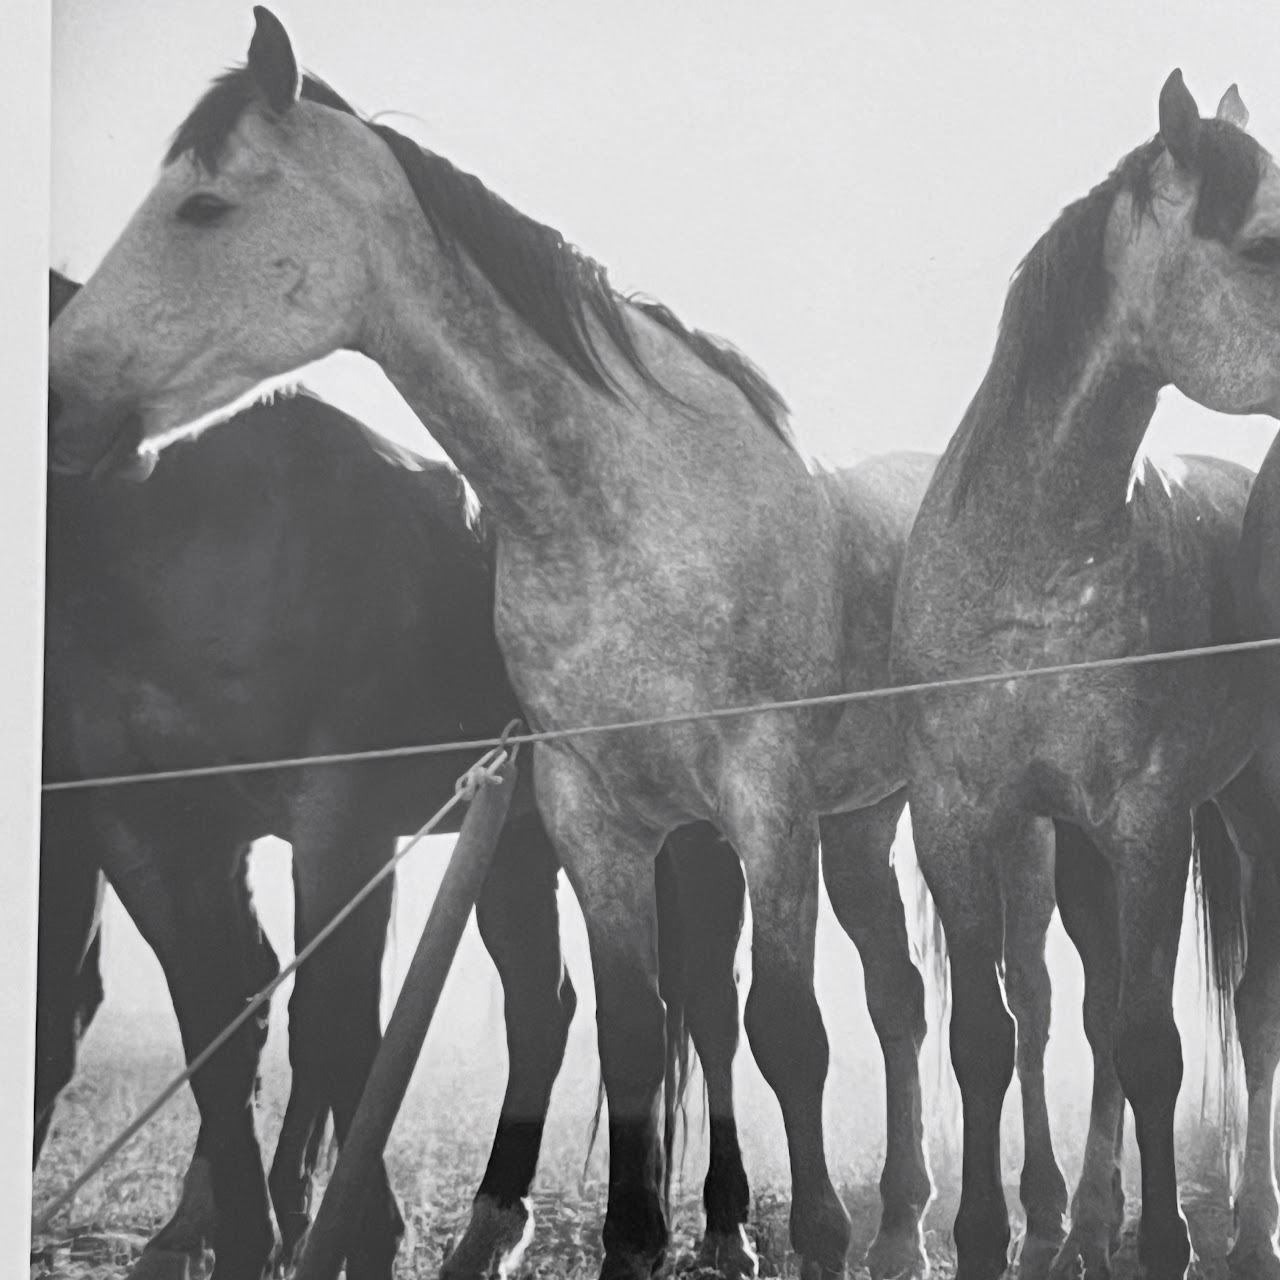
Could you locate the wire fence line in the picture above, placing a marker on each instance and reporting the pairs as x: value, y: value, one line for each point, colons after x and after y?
x: 496, y: 754
x: 485, y: 769
x: 675, y: 718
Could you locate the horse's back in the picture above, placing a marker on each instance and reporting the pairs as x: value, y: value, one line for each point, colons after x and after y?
x: 283, y: 581
x: 1191, y: 516
x: 877, y: 498
x: 1258, y: 564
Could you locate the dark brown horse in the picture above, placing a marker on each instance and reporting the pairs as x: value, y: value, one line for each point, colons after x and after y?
x: 1257, y: 988
x: 1044, y: 539
x: 283, y: 587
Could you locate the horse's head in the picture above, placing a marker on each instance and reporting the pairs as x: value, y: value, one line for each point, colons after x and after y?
x: 251, y: 256
x: 1194, y: 252
x: 61, y: 291
x: 121, y: 458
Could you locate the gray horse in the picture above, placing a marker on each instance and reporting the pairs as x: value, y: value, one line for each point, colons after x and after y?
x: 663, y: 547
x: 1043, y: 541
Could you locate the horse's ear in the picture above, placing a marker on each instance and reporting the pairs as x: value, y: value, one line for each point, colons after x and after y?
x: 1232, y: 109
x: 271, y: 61
x: 61, y: 291
x: 1180, y: 122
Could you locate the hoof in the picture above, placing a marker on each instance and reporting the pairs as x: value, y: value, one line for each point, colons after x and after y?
x: 161, y: 1264
x: 630, y: 1266
x: 1172, y: 1259
x: 1085, y: 1254
x: 992, y: 1267
x: 812, y: 1269
x: 729, y: 1254
x: 193, y: 1225
x: 1037, y: 1254
x: 495, y: 1241
x: 981, y: 1270
x: 1254, y: 1260
x: 293, y: 1240
x: 898, y: 1255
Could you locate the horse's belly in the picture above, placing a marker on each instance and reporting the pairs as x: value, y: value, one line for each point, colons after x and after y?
x: 864, y: 760
x: 1074, y: 746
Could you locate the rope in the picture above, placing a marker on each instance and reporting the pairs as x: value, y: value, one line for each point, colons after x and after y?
x: 679, y: 717
x: 484, y: 772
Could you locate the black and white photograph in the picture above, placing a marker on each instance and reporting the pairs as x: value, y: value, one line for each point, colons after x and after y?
x: 653, y: 646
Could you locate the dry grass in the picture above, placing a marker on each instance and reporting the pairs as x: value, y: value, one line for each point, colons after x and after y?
x: 440, y: 1145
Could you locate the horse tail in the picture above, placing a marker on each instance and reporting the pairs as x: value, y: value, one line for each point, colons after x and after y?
x: 593, y: 1132
x: 943, y: 1101
x: 933, y: 958
x: 1221, y: 930
x: 672, y: 985
x: 391, y: 949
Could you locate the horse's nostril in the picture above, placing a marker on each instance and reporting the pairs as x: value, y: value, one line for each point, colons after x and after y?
x: 55, y: 406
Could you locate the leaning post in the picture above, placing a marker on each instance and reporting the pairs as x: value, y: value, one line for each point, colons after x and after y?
x: 343, y: 1199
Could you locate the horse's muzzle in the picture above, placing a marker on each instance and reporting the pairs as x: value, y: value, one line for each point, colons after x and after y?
x: 86, y: 440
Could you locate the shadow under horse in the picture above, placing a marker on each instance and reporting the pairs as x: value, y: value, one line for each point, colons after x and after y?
x: 286, y: 586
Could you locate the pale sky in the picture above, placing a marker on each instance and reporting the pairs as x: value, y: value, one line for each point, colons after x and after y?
x: 843, y: 191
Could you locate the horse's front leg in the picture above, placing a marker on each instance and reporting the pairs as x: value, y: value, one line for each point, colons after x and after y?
x: 1255, y: 818
x: 960, y: 845
x: 519, y: 919
x: 609, y: 861
x: 1149, y: 848
x: 340, y: 839
x: 1086, y: 893
x: 863, y: 887
x: 769, y: 819
x: 1028, y: 878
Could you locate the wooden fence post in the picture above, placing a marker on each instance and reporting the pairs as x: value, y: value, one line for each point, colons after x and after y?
x: 407, y: 1028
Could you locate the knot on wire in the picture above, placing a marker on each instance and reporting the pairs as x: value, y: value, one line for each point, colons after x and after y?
x: 487, y: 771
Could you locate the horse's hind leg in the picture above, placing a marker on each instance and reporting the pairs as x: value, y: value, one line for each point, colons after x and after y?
x: 1029, y: 902
x: 519, y: 921
x: 68, y: 977
x: 1256, y: 821
x: 700, y: 921
x: 195, y: 1219
x: 187, y: 914
x: 778, y: 842
x: 610, y: 865
x: 1086, y: 896
x: 301, y: 1135
x: 863, y: 888
x: 334, y: 1031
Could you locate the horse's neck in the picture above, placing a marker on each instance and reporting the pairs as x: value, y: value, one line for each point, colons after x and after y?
x: 545, y: 452
x: 505, y: 412
x: 1062, y: 473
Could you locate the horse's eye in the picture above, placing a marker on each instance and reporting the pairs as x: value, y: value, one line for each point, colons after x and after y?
x: 1264, y: 252
x: 203, y: 209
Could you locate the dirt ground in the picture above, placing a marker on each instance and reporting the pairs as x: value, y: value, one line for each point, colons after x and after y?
x: 438, y: 1151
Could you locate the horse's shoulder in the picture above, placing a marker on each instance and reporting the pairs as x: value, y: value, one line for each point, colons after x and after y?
x: 1191, y: 495
x: 883, y: 492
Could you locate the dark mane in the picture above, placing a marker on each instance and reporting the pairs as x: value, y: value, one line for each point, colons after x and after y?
x: 727, y: 360
x: 210, y: 122
x: 556, y: 289
x: 1061, y: 289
